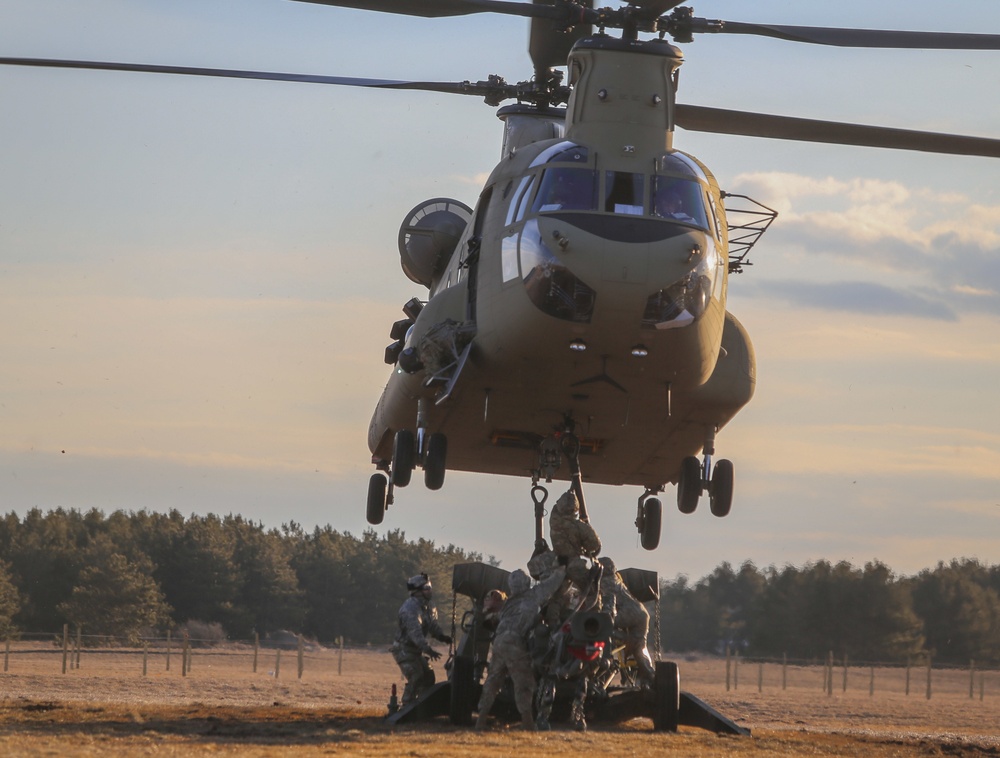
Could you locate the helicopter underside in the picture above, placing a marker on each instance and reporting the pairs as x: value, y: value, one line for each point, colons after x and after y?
x: 634, y: 426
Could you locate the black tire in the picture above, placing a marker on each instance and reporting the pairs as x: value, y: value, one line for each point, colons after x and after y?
x: 721, y: 493
x: 377, y: 486
x: 435, y: 461
x: 463, y: 690
x: 689, y: 485
x: 666, y: 697
x: 652, y: 518
x: 403, y: 455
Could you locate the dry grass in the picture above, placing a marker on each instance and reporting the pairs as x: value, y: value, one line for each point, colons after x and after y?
x: 108, y: 708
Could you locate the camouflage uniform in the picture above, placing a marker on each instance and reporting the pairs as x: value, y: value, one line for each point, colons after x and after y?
x: 510, y: 644
x: 560, y: 662
x: 570, y: 536
x: 630, y: 617
x: 417, y: 622
x: 571, y: 540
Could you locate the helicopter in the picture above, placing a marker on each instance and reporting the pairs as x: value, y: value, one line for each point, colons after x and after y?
x: 589, y: 327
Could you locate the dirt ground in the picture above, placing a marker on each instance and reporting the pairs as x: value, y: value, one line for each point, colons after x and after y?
x: 108, y: 707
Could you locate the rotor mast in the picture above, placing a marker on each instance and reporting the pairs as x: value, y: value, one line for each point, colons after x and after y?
x: 625, y: 89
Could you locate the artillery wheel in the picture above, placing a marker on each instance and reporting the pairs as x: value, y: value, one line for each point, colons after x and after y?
x: 666, y: 697
x: 376, y: 498
x: 689, y: 485
x: 721, y: 491
x: 463, y: 690
x: 652, y: 517
x: 434, y: 462
x: 403, y: 453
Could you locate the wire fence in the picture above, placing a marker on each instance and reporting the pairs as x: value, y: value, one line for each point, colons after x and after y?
x: 294, y: 657
x: 840, y: 674
x: 181, y: 654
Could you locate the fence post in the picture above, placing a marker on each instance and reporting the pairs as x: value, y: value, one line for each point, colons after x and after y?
x: 982, y: 684
x: 168, y: 650
x: 301, y: 656
x: 972, y: 676
x: 145, y: 656
x: 256, y: 649
x: 928, y: 676
x: 185, y: 666
x: 277, y: 663
x: 871, y: 683
x: 6, y: 655
x: 65, y: 646
x: 784, y: 671
x: 728, y: 667
x: 829, y: 673
x: 78, y: 646
x: 907, y: 676
x: 760, y: 676
x: 845, y: 673
x: 736, y: 669
x: 340, y: 655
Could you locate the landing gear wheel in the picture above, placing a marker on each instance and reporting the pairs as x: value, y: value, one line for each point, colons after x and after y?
x: 652, y: 517
x: 689, y: 485
x: 721, y: 491
x: 666, y: 697
x: 463, y: 691
x: 403, y: 454
x: 434, y: 462
x: 377, y: 486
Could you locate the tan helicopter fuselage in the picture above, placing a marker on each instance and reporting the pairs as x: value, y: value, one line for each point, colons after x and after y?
x: 597, y: 296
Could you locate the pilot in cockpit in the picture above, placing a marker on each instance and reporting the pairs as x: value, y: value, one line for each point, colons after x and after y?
x: 670, y: 204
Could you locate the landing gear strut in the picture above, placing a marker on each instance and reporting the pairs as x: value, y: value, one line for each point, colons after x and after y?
x: 697, y: 477
x: 408, y: 450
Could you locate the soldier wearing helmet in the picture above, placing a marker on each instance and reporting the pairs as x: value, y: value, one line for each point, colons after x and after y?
x: 510, y: 655
x: 411, y: 648
x: 630, y: 617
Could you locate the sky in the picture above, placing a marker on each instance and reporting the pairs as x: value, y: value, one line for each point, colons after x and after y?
x: 197, y: 277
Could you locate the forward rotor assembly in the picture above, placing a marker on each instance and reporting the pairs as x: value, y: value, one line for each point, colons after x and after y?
x: 556, y: 25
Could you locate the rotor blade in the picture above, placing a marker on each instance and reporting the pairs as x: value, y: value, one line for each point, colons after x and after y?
x: 460, y: 88
x: 439, y: 8
x: 549, y: 42
x: 700, y: 119
x: 822, y: 35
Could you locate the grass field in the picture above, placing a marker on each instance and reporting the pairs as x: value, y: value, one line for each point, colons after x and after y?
x: 107, y: 707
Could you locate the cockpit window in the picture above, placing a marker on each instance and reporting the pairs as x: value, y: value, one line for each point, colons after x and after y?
x: 678, y: 163
x: 566, y: 189
x: 679, y: 200
x: 623, y: 192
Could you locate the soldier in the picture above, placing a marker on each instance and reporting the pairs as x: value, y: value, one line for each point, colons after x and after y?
x: 493, y: 602
x: 569, y: 659
x: 510, y: 643
x: 571, y: 537
x: 630, y: 617
x: 411, y: 649
x: 573, y: 541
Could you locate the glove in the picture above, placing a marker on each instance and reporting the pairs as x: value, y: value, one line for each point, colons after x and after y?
x: 433, y: 654
x: 446, y: 639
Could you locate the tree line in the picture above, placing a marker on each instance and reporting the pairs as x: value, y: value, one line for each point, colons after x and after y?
x: 950, y: 612
x: 138, y: 573
x: 130, y: 574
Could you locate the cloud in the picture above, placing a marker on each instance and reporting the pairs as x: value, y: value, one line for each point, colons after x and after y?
x: 895, y: 249
x: 855, y: 297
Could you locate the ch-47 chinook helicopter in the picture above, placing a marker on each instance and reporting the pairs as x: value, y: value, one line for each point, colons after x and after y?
x: 575, y: 325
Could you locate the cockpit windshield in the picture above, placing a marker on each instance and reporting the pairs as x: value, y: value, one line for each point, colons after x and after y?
x: 679, y: 200
x: 566, y: 189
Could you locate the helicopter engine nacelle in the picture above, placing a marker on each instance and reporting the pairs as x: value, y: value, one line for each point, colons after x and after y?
x: 428, y: 237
